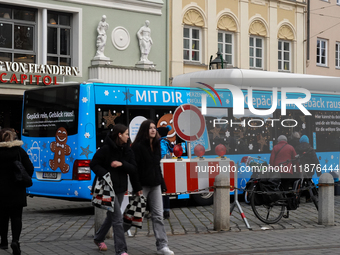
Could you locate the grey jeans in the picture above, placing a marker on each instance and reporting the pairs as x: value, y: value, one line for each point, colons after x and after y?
x: 155, y: 202
x: 114, y: 219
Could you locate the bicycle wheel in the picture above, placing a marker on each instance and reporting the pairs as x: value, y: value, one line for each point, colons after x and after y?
x: 314, y: 195
x: 268, y: 214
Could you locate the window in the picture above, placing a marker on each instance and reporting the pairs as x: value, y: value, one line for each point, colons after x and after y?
x: 256, y: 52
x: 337, y: 54
x: 17, y: 34
x: 284, y: 62
x: 56, y: 99
x: 338, y: 2
x: 321, y: 52
x: 225, y: 46
x: 191, y: 44
x: 59, y: 39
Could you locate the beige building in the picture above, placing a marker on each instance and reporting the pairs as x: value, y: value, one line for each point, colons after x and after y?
x: 324, y: 38
x: 250, y: 34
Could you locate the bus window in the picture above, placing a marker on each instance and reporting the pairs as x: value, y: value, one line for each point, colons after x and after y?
x: 326, y: 127
x: 302, y: 124
x: 46, y: 110
x: 251, y: 133
x: 134, y: 111
x: 106, y: 117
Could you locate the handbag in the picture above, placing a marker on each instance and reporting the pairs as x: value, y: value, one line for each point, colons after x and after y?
x: 134, y: 211
x: 103, y: 193
x: 22, y: 178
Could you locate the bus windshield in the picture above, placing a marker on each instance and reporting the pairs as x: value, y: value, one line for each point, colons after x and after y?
x: 45, y: 110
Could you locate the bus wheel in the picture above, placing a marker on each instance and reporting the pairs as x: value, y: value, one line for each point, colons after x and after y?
x: 204, y: 198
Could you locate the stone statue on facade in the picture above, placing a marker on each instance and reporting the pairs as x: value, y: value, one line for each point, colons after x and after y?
x: 145, y: 43
x: 101, y: 39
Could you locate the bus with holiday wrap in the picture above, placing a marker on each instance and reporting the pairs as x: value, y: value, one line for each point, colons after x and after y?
x: 63, y: 126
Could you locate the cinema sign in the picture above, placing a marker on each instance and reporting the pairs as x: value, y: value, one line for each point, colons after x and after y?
x: 33, y: 74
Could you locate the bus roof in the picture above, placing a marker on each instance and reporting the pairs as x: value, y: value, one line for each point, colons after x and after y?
x: 244, y: 78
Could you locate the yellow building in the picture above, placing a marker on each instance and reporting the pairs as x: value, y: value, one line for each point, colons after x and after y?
x: 250, y: 34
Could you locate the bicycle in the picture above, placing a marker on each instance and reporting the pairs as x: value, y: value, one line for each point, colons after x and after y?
x: 271, y: 212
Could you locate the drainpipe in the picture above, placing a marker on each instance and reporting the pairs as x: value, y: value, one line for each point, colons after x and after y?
x: 167, y: 78
x: 308, y: 28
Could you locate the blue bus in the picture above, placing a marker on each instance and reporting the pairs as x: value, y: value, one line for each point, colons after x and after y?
x: 64, y: 125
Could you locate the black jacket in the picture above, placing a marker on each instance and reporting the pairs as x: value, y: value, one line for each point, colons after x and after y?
x: 12, y: 195
x: 307, y: 157
x: 101, y: 164
x: 148, y: 164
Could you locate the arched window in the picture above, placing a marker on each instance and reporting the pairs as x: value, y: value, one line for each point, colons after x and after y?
x: 285, y: 36
x: 226, y: 38
x: 192, y: 36
x: 257, y: 32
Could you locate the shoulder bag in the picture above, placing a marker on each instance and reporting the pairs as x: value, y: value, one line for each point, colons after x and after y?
x: 22, y: 178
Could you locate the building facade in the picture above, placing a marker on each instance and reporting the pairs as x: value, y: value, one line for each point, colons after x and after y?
x: 252, y: 34
x: 323, y: 40
x: 57, y: 41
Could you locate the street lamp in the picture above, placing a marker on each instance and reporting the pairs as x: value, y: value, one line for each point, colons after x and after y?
x: 218, y: 62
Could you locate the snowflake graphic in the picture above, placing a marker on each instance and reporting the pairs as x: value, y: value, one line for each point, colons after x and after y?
x: 84, y: 100
x: 227, y: 101
x: 227, y: 134
x: 303, y: 125
x: 106, y: 93
x: 87, y: 135
x: 250, y: 147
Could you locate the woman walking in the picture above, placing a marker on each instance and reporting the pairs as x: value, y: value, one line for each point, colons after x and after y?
x: 12, y: 195
x: 148, y: 156
x: 116, y: 157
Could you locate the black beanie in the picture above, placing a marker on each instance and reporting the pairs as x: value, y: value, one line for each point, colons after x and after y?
x: 163, y: 131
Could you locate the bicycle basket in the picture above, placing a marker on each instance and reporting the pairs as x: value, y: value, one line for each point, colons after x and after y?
x: 292, y: 202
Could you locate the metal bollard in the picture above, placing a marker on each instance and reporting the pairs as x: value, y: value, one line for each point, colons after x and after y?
x: 222, y: 202
x: 326, y: 200
x: 99, y: 217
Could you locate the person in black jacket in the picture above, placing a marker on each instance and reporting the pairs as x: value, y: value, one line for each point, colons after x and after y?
x: 146, y: 147
x: 116, y: 157
x: 308, y: 159
x: 12, y: 195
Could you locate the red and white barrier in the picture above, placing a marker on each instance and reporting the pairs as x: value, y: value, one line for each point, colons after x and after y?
x: 189, y: 175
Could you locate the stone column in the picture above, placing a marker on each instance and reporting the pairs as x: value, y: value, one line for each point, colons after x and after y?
x: 222, y: 202
x: 326, y: 200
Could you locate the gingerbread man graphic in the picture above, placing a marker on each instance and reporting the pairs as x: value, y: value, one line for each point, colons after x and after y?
x: 60, y: 149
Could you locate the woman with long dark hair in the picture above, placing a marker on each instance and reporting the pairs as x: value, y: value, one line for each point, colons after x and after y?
x: 12, y: 195
x: 116, y: 157
x: 146, y: 147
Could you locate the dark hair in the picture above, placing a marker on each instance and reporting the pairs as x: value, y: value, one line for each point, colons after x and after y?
x: 116, y: 130
x: 143, y: 134
x: 7, y: 135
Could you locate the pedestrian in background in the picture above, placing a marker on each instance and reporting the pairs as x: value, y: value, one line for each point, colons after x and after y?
x: 294, y: 139
x: 116, y: 157
x: 281, y: 153
x: 12, y: 195
x: 146, y: 147
x: 166, y: 150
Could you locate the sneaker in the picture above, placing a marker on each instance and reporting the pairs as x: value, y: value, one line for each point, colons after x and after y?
x: 101, y: 245
x: 165, y: 251
x: 16, y: 248
x: 166, y: 215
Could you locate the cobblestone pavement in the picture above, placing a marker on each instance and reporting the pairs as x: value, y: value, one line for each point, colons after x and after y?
x: 53, y: 226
